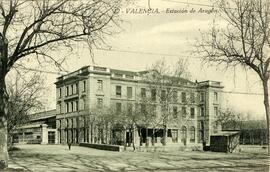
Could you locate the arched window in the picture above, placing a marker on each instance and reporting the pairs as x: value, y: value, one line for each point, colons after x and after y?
x: 192, y: 134
x: 184, y: 134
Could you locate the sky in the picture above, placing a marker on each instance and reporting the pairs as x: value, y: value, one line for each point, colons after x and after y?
x: 146, y: 38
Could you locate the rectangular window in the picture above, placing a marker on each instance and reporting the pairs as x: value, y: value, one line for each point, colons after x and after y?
x: 192, y: 112
x: 175, y: 97
x: 84, y: 86
x: 153, y: 94
x: 202, y: 97
x: 202, y: 111
x: 67, y: 107
x: 60, y: 107
x: 67, y: 90
x: 175, y: 112
x: 216, y: 111
x: 100, y: 102
x: 184, y: 112
x: 78, y: 122
x: 60, y: 93
x: 129, y: 109
x: 76, y: 88
x: 163, y: 95
x: 216, y: 96
x: 72, y: 90
x: 184, y: 97
x: 129, y: 92
x: 192, y: 134
x: 153, y: 110
x: 192, y: 97
x: 72, y: 123
x: 100, y: 84
x: 72, y: 106
x: 82, y: 104
x: 118, y: 91
x: 202, y: 125
x: 76, y: 105
x: 118, y: 107
x: 60, y: 123
x: 143, y: 92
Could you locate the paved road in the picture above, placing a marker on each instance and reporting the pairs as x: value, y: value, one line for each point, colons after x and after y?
x: 58, y: 158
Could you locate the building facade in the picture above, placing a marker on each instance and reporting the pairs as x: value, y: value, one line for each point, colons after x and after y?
x: 192, y: 107
x: 41, y: 129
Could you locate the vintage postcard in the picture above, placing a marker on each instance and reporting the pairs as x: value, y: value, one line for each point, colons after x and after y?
x: 134, y: 85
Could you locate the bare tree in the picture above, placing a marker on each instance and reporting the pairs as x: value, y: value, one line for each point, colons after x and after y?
x: 106, y: 119
x: 25, y: 96
x: 229, y: 119
x: 131, y: 118
x: 163, y: 81
x: 145, y: 116
x: 36, y: 28
x: 243, y: 42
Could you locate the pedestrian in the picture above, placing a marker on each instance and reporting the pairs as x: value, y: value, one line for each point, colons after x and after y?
x: 69, y: 145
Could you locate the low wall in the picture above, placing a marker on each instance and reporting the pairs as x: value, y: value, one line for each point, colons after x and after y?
x: 168, y: 148
x: 103, y: 147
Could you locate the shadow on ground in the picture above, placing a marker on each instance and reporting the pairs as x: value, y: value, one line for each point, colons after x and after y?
x: 57, y: 158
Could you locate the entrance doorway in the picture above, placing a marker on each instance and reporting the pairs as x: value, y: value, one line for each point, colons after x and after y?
x: 51, y: 137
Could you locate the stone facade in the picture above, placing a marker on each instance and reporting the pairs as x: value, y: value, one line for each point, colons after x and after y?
x: 79, y: 92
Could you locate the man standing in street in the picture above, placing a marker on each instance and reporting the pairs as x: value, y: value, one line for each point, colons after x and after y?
x: 69, y: 145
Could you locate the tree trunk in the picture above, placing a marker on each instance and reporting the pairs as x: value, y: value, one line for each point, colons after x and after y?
x: 3, y: 123
x: 165, y: 135
x: 10, y: 140
x: 140, y: 134
x: 153, y: 137
x: 267, y: 113
x: 92, y: 139
x: 124, y: 138
x: 133, y: 137
x: 146, y: 137
x: 129, y: 137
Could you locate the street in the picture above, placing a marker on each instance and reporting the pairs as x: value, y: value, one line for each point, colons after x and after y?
x: 59, y: 158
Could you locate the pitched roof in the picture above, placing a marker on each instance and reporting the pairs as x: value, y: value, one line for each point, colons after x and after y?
x: 43, y: 115
x: 226, y: 133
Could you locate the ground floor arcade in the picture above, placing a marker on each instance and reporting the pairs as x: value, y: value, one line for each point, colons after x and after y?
x: 140, y: 136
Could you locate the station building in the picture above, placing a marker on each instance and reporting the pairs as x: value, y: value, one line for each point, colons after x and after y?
x: 81, y: 91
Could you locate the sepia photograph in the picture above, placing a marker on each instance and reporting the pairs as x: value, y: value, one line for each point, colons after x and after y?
x: 134, y: 85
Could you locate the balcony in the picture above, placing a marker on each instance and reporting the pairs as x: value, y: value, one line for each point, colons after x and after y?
x: 73, y: 96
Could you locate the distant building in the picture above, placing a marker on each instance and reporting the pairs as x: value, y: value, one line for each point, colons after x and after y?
x: 41, y: 129
x: 79, y: 92
x: 251, y: 131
